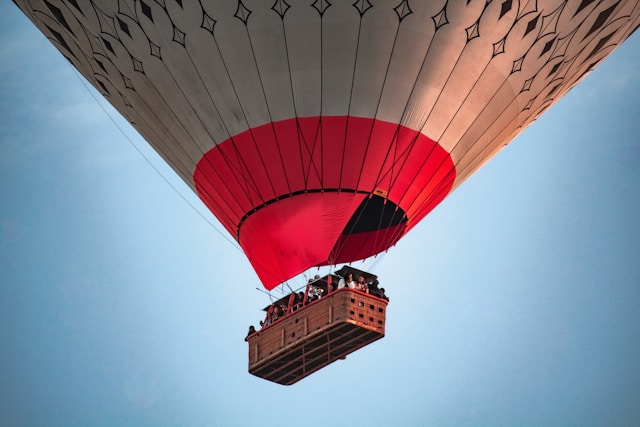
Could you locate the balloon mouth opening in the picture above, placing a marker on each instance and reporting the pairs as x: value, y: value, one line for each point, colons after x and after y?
x: 375, y: 213
x: 376, y: 225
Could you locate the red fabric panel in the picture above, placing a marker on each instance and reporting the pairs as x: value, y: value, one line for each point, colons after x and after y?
x: 363, y: 245
x: 287, y: 237
x: 240, y: 179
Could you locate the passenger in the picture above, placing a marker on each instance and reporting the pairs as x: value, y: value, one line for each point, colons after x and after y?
x: 269, y: 317
x: 313, y: 293
x: 274, y: 314
x: 383, y: 295
x: 373, y: 288
x: 333, y: 286
x: 252, y: 331
x: 347, y: 282
x: 298, y: 301
x: 283, y: 310
x: 360, y: 285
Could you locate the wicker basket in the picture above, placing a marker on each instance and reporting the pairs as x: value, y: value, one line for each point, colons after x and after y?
x: 310, y: 338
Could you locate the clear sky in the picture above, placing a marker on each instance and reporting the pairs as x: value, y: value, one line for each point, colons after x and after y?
x: 516, y: 302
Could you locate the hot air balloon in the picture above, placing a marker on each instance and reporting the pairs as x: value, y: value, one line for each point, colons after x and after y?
x: 321, y: 132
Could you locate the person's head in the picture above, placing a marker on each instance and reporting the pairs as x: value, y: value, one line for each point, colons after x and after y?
x: 382, y: 290
x: 360, y: 279
x: 252, y: 329
x: 349, y: 277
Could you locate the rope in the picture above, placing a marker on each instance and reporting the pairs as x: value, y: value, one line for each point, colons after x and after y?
x: 224, y: 235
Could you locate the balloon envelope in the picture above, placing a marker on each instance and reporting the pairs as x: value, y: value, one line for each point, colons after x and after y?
x: 322, y: 132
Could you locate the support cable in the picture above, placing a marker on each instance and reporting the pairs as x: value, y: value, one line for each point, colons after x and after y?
x: 165, y: 179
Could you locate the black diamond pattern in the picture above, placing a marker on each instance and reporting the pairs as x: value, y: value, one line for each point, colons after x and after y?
x: 531, y: 25
x: 178, y: 36
x: 584, y: 4
x: 146, y: 9
x: 103, y: 87
x: 517, y: 65
x: 403, y: 9
x: 124, y: 27
x: 107, y: 44
x: 554, y: 69
x: 553, y: 90
x: 441, y: 18
x: 498, y: 47
x: 101, y: 65
x: 472, y: 32
x: 547, y: 46
x: 208, y: 23
x: 242, y: 13
x: 321, y: 6
x: 280, y: 7
x: 506, y: 7
x: 529, y: 104
x: 362, y: 6
x: 137, y: 65
x: 57, y: 13
x: 155, y: 49
x: 127, y: 82
x: 74, y: 3
x: 602, y: 18
x: 527, y: 84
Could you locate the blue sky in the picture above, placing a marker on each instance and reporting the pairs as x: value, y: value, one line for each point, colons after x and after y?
x: 516, y: 302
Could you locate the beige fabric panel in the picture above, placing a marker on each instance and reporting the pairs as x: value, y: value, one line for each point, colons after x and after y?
x: 470, y: 75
